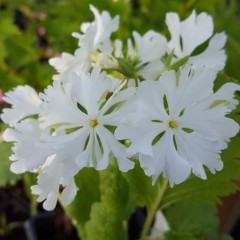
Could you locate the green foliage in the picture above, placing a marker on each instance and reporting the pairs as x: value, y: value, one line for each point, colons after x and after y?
x: 142, y: 192
x: 7, y: 177
x: 106, y: 200
x: 7, y: 31
x: 108, y: 215
x: 79, y: 210
x: 191, y: 221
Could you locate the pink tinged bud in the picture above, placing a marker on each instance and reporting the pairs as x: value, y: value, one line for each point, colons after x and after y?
x: 1, y: 96
x: 41, y: 31
x: 58, y: 55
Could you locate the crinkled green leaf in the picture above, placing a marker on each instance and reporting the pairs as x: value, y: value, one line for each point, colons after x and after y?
x: 87, y: 181
x: 221, y: 237
x: 142, y: 192
x: 6, y: 176
x: 191, y: 221
x: 109, y: 215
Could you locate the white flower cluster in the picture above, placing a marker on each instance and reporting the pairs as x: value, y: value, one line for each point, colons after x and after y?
x: 151, y: 99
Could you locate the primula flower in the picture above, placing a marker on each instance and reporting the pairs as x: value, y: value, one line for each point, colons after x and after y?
x: 32, y: 154
x: 75, y: 130
x: 175, y: 125
x: 142, y: 57
x: 48, y: 184
x: 187, y: 35
x: 179, y: 125
x: 149, y: 49
x: 83, y: 108
x: 97, y: 33
x: 96, y: 36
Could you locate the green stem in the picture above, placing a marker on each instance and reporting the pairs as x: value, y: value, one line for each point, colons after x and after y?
x: 28, y: 182
x: 153, y: 209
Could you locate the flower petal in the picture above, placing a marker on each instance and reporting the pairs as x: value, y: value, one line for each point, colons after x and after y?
x: 214, y: 56
x: 25, y: 102
x: 199, y: 151
x: 118, y: 150
x: 166, y: 160
x: 48, y: 184
x: 29, y: 151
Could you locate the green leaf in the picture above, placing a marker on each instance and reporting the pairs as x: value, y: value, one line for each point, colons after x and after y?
x: 7, y: 28
x: 6, y: 176
x: 87, y: 181
x: 108, y: 217
x: 220, y: 184
x: 142, y: 192
x: 193, y: 220
x: 222, y: 237
x: 20, y: 53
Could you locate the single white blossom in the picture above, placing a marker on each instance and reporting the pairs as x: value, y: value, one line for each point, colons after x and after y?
x: 187, y: 35
x: 149, y: 50
x: 95, y: 37
x: 86, y: 107
x: 143, y: 55
x: 98, y: 31
x: 180, y: 124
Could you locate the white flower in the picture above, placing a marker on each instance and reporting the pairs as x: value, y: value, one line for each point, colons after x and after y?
x: 95, y: 37
x: 160, y: 227
x: 187, y: 35
x: 24, y: 100
x: 64, y: 64
x: 180, y: 124
x: 149, y: 49
x: 213, y: 56
x: 33, y: 154
x: 49, y: 181
x: 142, y: 57
x: 83, y: 110
x: 97, y: 32
x: 29, y: 152
x: 74, y: 130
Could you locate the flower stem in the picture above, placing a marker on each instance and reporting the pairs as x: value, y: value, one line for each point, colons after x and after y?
x: 153, y: 209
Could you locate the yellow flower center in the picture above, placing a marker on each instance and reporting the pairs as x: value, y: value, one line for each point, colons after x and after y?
x: 93, y: 56
x: 93, y: 123
x: 172, y: 124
